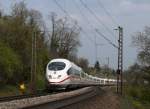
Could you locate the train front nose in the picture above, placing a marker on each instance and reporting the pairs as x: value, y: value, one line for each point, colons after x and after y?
x: 54, y: 76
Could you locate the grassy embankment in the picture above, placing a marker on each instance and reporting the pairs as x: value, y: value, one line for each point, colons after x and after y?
x: 10, y: 90
x: 136, y: 97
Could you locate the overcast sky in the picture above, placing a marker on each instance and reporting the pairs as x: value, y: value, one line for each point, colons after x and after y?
x: 132, y: 15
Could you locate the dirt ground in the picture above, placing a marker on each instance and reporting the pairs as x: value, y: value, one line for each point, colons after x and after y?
x: 106, y: 99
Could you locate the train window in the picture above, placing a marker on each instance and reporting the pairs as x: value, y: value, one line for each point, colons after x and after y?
x: 76, y: 72
x: 73, y: 71
x: 56, y: 66
x: 70, y: 71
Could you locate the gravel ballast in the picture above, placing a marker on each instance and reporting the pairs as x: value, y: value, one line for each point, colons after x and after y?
x: 16, y: 104
x: 106, y: 99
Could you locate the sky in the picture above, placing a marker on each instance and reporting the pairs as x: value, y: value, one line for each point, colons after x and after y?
x: 132, y: 15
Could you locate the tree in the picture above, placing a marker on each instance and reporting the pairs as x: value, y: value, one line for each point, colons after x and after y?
x: 142, y: 41
x: 64, y: 38
x: 10, y: 65
x: 134, y: 74
x: 97, y: 66
x: 83, y: 63
x: 1, y: 12
x: 17, y: 31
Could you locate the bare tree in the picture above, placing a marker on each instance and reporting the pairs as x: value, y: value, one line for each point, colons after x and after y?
x: 1, y: 11
x: 142, y: 41
x: 64, y: 38
x: 20, y: 11
x: 83, y: 63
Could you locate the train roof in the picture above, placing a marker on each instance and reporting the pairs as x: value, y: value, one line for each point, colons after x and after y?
x: 61, y: 60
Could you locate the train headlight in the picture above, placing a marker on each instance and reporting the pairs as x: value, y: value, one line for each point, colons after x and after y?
x: 59, y: 76
x: 50, y: 77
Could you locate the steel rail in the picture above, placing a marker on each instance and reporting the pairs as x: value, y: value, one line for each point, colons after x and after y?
x: 66, y: 101
x: 19, y: 97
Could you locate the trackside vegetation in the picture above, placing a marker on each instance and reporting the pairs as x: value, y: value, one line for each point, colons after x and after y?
x: 17, y: 30
x: 137, y: 89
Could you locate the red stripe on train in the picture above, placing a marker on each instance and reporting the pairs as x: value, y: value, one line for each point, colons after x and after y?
x: 62, y: 80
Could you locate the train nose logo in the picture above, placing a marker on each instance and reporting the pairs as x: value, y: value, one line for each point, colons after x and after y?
x: 54, y: 72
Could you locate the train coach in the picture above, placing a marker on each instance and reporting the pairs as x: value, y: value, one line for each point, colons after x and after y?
x: 62, y: 74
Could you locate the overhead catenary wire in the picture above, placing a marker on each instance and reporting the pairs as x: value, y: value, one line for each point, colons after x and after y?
x: 107, y: 12
x: 98, y: 32
x: 90, y: 25
x: 102, y: 35
x: 63, y: 10
x: 96, y: 17
x: 81, y: 13
x: 110, y: 42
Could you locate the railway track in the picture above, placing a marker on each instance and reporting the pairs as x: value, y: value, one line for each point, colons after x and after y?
x: 58, y: 104
x: 53, y: 100
x: 19, y: 97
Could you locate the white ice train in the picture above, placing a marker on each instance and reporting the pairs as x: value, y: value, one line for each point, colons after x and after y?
x: 62, y: 74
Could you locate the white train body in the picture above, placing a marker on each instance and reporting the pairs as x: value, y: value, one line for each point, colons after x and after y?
x: 61, y: 73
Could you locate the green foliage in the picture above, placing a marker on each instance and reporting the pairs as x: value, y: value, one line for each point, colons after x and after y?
x: 137, y: 105
x: 138, y: 96
x: 17, y: 31
x: 40, y: 81
x: 141, y: 93
x: 133, y: 92
x: 9, y: 90
x: 10, y: 64
x: 145, y: 94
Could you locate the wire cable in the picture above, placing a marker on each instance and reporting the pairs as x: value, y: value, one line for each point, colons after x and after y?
x: 97, y: 18
x: 109, y: 41
x: 62, y: 9
x: 107, y: 12
x: 55, y: 1
x: 99, y: 33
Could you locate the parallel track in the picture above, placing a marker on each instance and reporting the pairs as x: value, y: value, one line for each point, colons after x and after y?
x: 37, y: 94
x: 18, y: 97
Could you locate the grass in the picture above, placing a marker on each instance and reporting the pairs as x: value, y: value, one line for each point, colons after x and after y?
x: 9, y: 90
x: 134, y: 98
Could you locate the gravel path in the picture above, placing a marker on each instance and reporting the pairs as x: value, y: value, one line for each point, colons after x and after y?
x: 106, y: 99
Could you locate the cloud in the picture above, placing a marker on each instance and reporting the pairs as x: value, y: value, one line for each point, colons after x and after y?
x: 131, y: 7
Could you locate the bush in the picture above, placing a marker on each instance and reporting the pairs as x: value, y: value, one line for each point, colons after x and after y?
x: 145, y: 94
x: 10, y: 64
x: 40, y: 81
x: 133, y: 92
x: 137, y: 105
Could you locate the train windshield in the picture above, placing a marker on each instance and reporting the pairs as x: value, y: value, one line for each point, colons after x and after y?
x: 56, y: 66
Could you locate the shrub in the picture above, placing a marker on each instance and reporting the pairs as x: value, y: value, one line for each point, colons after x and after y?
x: 10, y: 64
x: 145, y: 94
x: 137, y: 105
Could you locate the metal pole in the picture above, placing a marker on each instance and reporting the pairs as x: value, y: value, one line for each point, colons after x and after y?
x: 121, y: 78
x: 107, y: 61
x: 33, y: 64
x: 120, y: 61
x: 95, y: 50
x: 35, y: 59
x: 32, y: 59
